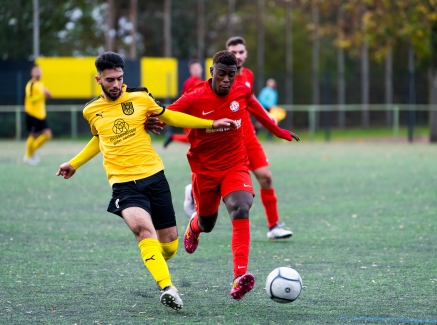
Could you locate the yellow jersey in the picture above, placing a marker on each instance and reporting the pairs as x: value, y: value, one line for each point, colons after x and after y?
x: 126, y: 146
x: 35, y: 100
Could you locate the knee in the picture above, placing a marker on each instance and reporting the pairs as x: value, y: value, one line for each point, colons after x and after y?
x: 48, y: 134
x: 265, y: 179
x: 170, y: 249
x: 239, y: 211
x: 141, y: 233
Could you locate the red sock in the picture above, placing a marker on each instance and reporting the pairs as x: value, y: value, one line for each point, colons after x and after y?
x: 180, y: 137
x: 240, y: 245
x: 269, y: 201
x: 194, y: 224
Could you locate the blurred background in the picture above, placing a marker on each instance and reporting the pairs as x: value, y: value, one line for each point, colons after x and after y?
x: 339, y: 65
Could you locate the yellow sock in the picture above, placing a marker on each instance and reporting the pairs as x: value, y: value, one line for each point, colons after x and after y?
x: 29, y: 146
x: 170, y: 249
x: 155, y: 262
x: 39, y: 141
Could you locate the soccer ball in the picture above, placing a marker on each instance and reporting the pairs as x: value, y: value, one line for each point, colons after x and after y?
x: 283, y: 285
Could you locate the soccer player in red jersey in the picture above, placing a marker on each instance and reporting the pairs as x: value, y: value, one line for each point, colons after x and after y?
x: 196, y: 70
x: 258, y: 162
x: 219, y: 162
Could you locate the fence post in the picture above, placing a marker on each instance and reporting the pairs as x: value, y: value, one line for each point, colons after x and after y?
x: 73, y: 122
x: 18, y: 123
x: 312, y: 122
x: 395, y: 122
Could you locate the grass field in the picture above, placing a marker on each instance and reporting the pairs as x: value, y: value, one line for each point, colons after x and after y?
x: 364, y: 217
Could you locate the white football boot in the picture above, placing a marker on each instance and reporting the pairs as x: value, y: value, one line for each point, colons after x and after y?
x: 189, y: 201
x: 279, y: 233
x: 170, y: 298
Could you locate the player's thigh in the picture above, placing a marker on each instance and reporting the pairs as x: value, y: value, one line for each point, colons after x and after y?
x: 139, y: 222
x: 206, y: 193
x: 237, y: 179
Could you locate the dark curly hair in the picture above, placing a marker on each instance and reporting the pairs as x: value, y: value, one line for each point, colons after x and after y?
x: 224, y: 57
x: 109, y: 60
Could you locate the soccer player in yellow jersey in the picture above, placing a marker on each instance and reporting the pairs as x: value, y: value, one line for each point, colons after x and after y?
x: 140, y: 192
x: 35, y: 108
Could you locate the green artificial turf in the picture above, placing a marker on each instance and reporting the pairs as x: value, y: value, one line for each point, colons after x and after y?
x: 364, y: 218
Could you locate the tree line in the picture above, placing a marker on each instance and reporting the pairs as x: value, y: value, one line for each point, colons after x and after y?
x: 313, y: 36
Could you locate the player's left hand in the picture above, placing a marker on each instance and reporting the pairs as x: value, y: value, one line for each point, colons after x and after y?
x: 154, y: 125
x: 224, y: 123
x: 295, y: 136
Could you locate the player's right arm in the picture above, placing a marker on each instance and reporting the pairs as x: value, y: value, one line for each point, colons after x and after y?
x: 90, y: 151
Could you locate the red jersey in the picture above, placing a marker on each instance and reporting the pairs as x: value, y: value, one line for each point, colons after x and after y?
x: 217, y: 150
x: 190, y: 82
x: 247, y: 77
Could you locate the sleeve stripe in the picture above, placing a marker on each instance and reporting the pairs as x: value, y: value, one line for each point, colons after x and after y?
x: 162, y: 112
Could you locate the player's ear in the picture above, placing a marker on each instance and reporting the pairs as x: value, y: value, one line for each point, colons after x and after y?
x: 98, y: 79
x: 211, y: 69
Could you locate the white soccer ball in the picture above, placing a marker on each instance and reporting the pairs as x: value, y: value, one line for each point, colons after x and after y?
x: 283, y: 285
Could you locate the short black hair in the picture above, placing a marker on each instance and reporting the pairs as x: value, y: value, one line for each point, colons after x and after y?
x: 224, y: 57
x: 193, y: 61
x: 235, y: 41
x: 109, y: 60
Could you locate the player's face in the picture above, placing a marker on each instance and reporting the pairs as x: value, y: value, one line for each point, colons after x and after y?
x: 196, y: 70
x: 240, y: 52
x: 223, y: 77
x: 36, y: 73
x: 111, y: 81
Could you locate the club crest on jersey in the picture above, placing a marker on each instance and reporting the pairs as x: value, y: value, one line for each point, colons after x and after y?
x: 128, y: 108
x: 234, y: 106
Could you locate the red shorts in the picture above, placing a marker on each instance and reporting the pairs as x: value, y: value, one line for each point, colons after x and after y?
x: 255, y: 152
x: 209, y: 189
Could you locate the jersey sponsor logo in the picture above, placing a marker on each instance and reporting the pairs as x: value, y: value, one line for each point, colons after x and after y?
x: 234, y: 106
x: 206, y: 113
x: 238, y: 122
x: 128, y: 108
x: 122, y: 131
x: 120, y: 126
x: 247, y: 83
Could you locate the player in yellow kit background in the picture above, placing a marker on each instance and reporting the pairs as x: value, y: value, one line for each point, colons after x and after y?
x: 35, y: 108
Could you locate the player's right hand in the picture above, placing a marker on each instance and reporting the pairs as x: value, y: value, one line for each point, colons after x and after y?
x: 154, y: 125
x: 294, y: 136
x: 224, y: 123
x: 66, y: 170
x: 47, y: 93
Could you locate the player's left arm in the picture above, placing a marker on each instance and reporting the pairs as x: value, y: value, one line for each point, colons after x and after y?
x: 255, y: 108
x: 175, y: 115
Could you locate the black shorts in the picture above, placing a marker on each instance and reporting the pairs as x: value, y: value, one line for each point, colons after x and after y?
x: 151, y: 194
x: 35, y: 125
